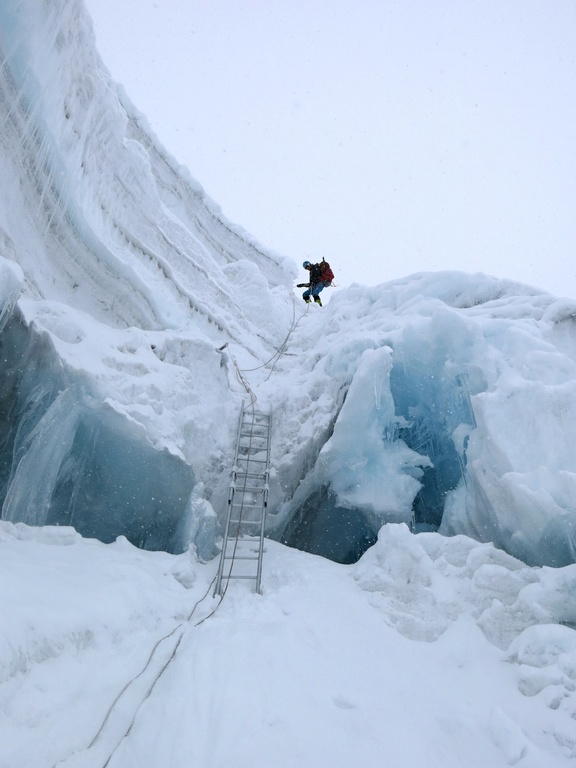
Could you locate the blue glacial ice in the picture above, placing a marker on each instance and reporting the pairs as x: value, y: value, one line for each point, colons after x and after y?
x: 70, y: 459
x: 135, y: 318
x: 457, y: 418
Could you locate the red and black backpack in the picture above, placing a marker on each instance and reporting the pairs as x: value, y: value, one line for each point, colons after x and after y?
x: 326, y: 274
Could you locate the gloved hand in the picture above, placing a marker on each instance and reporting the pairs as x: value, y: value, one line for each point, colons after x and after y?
x: 303, y: 285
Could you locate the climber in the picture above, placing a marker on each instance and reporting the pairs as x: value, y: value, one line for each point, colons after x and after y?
x: 321, y: 277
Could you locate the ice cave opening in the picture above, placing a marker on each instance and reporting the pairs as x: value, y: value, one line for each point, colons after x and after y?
x: 432, y: 404
x: 323, y: 527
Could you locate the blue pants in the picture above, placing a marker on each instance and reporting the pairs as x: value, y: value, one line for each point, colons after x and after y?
x: 314, y: 290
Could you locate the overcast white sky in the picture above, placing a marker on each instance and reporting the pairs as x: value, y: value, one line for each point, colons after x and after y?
x: 389, y: 136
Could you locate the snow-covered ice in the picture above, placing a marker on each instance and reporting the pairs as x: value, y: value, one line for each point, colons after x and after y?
x: 423, y: 472
x: 430, y: 650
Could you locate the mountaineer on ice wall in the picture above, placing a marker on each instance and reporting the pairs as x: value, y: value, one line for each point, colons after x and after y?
x: 321, y: 277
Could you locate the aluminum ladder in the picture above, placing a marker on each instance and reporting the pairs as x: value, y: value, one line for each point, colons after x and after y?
x: 243, y: 540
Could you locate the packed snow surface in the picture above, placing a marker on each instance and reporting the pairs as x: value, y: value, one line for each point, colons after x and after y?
x: 429, y: 651
x: 422, y: 444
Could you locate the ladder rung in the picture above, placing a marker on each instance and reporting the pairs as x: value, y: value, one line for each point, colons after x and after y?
x: 253, y: 445
x: 252, y: 433
x: 245, y: 539
x: 252, y: 504
x: 238, y: 576
x: 244, y: 522
x: 240, y: 557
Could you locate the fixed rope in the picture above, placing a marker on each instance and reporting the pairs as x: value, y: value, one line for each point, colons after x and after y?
x: 275, y: 357
x: 182, y: 625
x: 280, y: 351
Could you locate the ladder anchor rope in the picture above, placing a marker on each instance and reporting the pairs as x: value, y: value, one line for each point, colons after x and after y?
x: 243, y: 539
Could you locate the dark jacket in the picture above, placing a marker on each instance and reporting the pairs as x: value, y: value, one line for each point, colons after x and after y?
x: 315, y: 274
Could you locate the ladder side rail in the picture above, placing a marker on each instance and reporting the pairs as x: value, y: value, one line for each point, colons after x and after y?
x: 231, y: 492
x: 261, y: 547
x: 269, y: 441
x: 240, y: 488
x: 264, y: 507
x: 218, y: 588
x: 241, y: 504
x: 246, y: 429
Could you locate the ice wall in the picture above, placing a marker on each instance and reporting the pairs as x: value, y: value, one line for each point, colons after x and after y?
x: 92, y: 207
x: 129, y: 279
x: 448, y: 403
x: 134, y: 318
x: 69, y: 459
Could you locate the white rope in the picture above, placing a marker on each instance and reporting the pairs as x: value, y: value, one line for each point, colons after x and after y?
x: 157, y: 677
x: 280, y: 351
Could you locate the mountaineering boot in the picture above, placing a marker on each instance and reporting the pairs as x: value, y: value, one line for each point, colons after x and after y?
x: 317, y: 300
x: 306, y: 299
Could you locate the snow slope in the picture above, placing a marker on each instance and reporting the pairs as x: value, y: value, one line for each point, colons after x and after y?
x: 134, y: 319
x: 429, y: 651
